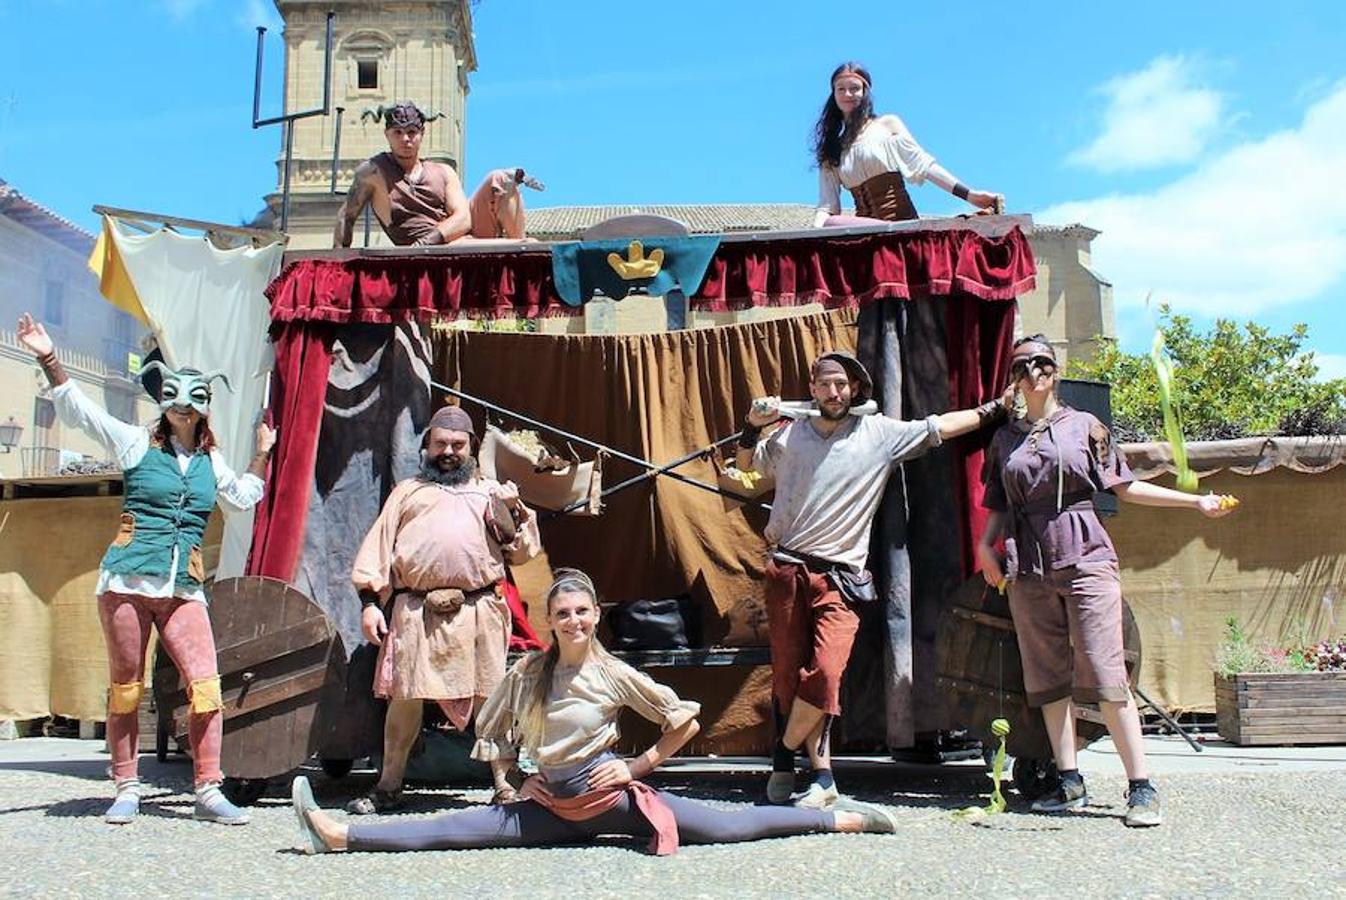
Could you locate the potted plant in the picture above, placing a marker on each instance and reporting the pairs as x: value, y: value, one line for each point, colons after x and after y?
x: 1276, y: 695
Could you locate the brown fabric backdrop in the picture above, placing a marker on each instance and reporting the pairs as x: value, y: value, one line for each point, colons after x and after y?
x: 658, y: 397
x: 52, y: 656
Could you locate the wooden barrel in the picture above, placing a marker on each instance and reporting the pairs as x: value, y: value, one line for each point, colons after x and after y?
x: 980, y: 673
x: 280, y: 659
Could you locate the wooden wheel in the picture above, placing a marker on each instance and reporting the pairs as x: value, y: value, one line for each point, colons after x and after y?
x: 279, y: 655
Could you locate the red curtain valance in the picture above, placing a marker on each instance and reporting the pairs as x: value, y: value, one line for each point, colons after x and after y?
x: 845, y: 271
x: 381, y: 290
x: 835, y: 271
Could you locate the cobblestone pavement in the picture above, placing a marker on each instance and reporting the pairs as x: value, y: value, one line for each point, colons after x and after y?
x: 1255, y: 829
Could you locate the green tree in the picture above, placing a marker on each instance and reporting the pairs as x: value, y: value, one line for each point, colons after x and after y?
x: 1233, y: 381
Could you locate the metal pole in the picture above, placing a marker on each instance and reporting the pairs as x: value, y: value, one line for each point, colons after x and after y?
x: 336, y: 147
x: 1169, y: 720
x: 257, y: 78
x: 653, y: 473
x: 285, y: 186
x: 327, y: 67
x: 635, y: 460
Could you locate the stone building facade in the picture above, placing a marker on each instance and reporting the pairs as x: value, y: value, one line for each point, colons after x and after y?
x: 384, y: 52
x: 44, y: 270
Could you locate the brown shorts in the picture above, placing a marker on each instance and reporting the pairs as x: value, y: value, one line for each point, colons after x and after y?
x: 811, y: 629
x: 1069, y: 624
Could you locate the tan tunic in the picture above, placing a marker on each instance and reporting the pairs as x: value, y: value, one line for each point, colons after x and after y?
x: 581, y: 712
x: 428, y: 537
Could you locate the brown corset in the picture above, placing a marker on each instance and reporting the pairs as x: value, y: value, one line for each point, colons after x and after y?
x: 884, y: 197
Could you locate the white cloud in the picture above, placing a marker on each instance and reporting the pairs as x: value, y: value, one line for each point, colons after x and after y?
x: 1258, y: 225
x: 1154, y: 117
x: 1330, y: 365
x: 182, y: 9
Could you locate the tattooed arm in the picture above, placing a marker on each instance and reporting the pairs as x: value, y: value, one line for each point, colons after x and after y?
x: 361, y: 192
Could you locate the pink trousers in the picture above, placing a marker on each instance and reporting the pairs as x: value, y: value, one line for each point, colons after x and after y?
x: 184, y: 631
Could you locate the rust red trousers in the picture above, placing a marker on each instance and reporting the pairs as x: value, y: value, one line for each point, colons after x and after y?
x: 811, y: 630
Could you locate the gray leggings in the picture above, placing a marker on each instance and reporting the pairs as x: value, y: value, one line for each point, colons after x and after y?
x: 528, y: 824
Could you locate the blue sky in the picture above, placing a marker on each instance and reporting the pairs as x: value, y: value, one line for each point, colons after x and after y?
x: 1207, y: 141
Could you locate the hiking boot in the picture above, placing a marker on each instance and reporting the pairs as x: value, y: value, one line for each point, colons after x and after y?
x: 1142, y: 807
x: 1069, y: 794
x: 779, y: 787
x: 815, y: 796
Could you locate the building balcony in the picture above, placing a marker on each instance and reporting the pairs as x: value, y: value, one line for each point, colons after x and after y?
x: 39, y: 462
x: 117, y: 356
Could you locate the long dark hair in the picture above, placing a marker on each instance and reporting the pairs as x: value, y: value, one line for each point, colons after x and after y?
x: 835, y: 131
x: 532, y: 718
x: 162, y: 431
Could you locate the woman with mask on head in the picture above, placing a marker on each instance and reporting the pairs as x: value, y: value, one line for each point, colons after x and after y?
x: 153, y: 573
x: 873, y: 157
x: 1065, y: 592
x: 562, y: 705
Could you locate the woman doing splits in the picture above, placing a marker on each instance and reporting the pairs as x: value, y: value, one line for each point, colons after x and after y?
x: 873, y: 157
x: 153, y: 572
x: 562, y: 705
x: 1065, y: 593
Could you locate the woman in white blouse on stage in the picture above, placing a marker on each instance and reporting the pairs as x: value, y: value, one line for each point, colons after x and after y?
x: 873, y: 157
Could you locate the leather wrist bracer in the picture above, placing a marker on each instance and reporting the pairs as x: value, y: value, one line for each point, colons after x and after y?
x: 52, y: 368
x: 991, y: 411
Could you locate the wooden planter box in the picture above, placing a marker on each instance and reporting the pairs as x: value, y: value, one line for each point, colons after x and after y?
x: 1299, y: 708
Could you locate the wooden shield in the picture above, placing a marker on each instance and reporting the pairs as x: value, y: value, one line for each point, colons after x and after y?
x: 278, y: 657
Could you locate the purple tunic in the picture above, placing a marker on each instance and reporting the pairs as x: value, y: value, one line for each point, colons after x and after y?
x: 1043, y: 476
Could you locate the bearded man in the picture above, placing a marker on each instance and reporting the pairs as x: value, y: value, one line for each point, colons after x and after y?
x: 429, y: 575
x: 830, y: 469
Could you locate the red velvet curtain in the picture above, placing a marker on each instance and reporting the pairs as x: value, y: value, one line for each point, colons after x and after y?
x: 381, y: 290
x: 833, y: 271
x: 979, y: 339
x: 843, y: 271
x: 298, y: 388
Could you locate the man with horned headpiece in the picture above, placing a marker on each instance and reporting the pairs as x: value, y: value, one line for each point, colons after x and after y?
x: 420, y: 202
x: 429, y: 575
x: 154, y: 573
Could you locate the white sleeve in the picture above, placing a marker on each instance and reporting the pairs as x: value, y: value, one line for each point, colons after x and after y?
x: 941, y: 177
x: 235, y: 493
x: 126, y: 442
x: 829, y: 195
x: 904, y: 154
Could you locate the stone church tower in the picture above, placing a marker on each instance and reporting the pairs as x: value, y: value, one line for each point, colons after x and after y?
x: 383, y: 52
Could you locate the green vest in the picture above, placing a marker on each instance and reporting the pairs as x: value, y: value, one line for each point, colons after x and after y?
x: 163, y: 508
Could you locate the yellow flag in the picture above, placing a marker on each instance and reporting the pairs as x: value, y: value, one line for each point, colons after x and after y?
x: 113, y: 280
